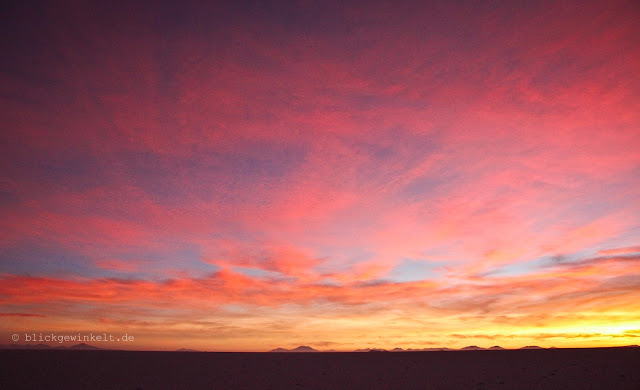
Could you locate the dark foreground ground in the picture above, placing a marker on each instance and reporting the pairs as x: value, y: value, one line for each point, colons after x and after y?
x: 606, y: 368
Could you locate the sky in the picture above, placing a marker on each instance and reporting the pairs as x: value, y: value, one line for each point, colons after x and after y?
x: 241, y: 177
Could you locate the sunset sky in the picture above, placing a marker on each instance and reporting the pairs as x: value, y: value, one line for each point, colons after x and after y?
x: 341, y: 175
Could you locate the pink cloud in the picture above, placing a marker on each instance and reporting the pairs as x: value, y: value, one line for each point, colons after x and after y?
x: 121, y: 265
x: 620, y: 251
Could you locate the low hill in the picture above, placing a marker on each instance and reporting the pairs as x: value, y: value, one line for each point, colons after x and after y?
x: 302, y: 348
x: 83, y: 347
x: 371, y: 350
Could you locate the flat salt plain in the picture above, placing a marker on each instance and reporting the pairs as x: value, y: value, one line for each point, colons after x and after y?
x: 597, y: 368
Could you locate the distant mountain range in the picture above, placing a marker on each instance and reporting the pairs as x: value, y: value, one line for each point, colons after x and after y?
x: 304, y: 348
x: 469, y: 348
x: 371, y: 350
x: 430, y: 349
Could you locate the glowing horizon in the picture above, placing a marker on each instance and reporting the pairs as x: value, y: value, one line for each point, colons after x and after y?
x: 242, y: 178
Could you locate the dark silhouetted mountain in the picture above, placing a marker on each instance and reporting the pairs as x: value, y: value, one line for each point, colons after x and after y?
x: 531, y: 347
x: 83, y: 347
x: 496, y: 348
x: 397, y: 350
x: 438, y: 349
x: 429, y: 349
x: 302, y: 348
x: 186, y: 350
x: 371, y: 350
x: 471, y: 348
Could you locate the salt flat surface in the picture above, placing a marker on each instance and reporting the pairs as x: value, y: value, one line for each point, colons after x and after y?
x: 605, y: 368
